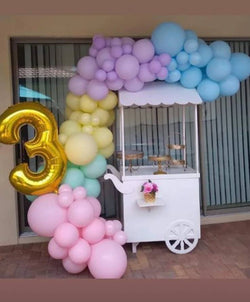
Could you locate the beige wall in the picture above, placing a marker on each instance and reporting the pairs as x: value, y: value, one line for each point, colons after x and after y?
x: 82, y: 26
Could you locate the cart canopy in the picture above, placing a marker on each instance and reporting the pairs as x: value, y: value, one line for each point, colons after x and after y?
x: 159, y: 94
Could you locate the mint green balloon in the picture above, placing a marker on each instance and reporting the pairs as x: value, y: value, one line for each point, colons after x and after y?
x: 71, y: 165
x: 96, y: 168
x: 31, y: 197
x: 92, y: 186
x: 74, y: 178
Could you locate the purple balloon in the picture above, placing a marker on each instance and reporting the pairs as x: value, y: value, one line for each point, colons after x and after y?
x: 77, y: 85
x: 144, y: 73
x: 111, y: 76
x: 154, y: 66
x: 93, y: 51
x: 108, y: 41
x: 103, y: 55
x: 116, y: 42
x: 162, y: 74
x: 133, y: 84
x: 115, y: 85
x: 127, y: 40
x: 108, y: 65
x: 100, y: 75
x: 127, y: 67
x: 97, y: 90
x: 87, y: 67
x: 127, y: 49
x: 116, y: 51
x: 164, y: 59
x: 99, y: 42
x: 143, y: 50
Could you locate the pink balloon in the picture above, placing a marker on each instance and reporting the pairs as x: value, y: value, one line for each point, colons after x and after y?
x: 56, y: 251
x: 116, y: 51
x: 111, y: 76
x: 96, y: 205
x: 99, y: 42
x: 117, y: 225
x: 143, y: 50
x: 79, y: 193
x: 45, y: 215
x: 66, y: 235
x: 65, y: 199
x: 93, y: 52
x: 134, y: 84
x: 97, y: 90
x: 94, y: 232
x: 127, y: 67
x: 162, y: 74
x: 127, y: 40
x: 103, y: 55
x: 109, y: 228
x: 100, y: 75
x: 87, y: 67
x: 154, y: 66
x: 77, y: 85
x: 64, y: 188
x: 164, y: 59
x: 108, y: 260
x: 145, y: 75
x: 80, y: 213
x: 80, y: 252
x: 72, y: 267
x: 115, y: 85
x: 120, y: 237
x: 127, y: 49
x: 108, y: 65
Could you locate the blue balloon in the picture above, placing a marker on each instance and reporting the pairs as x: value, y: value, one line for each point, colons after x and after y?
x: 168, y: 38
x: 182, y: 57
x: 190, y: 34
x: 183, y: 67
x: 240, y: 63
x: 172, y: 65
x: 208, y: 90
x: 229, y: 86
x: 173, y: 76
x: 92, y: 187
x: 218, y: 69
x: 191, y: 45
x: 206, y: 54
x: 191, y: 77
x: 195, y: 58
x: 221, y: 49
x: 73, y: 177
x: 96, y: 168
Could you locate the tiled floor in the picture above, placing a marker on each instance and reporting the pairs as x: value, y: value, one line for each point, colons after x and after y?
x: 222, y: 252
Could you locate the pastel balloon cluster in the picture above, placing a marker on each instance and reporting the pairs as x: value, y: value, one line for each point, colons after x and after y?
x: 115, y: 63
x: 80, y: 237
x: 212, y: 69
x: 85, y: 133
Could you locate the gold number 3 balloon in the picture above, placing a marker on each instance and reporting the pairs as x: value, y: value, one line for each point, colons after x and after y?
x: 44, y: 144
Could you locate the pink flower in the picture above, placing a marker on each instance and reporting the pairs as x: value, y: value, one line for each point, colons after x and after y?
x: 155, y: 187
x: 148, y: 187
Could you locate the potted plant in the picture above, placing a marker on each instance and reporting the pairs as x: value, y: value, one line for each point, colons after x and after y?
x: 149, y: 189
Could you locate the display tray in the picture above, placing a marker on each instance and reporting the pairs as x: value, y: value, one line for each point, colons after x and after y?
x: 143, y: 204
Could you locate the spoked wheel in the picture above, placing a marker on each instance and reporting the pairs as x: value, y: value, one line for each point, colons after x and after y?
x: 181, y: 237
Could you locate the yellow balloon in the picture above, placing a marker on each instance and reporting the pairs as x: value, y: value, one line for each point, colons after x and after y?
x: 88, y: 129
x: 109, y: 102
x: 69, y: 127
x: 68, y: 112
x: 108, y: 151
x: 62, y: 138
x: 95, y: 120
x: 102, y: 114
x: 87, y: 104
x: 103, y: 137
x: 73, y: 101
x: 75, y: 115
x: 44, y: 144
x: 111, y: 118
x: 85, y: 119
x: 80, y: 148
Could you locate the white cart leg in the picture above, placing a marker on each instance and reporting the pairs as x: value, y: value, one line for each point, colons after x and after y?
x: 134, y: 245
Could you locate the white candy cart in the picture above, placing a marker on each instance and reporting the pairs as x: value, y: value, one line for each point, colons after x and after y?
x: 174, y: 217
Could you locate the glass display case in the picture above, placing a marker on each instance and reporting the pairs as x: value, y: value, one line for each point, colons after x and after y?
x: 158, y: 151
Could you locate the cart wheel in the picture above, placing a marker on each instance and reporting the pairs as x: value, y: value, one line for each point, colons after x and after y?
x: 181, y: 237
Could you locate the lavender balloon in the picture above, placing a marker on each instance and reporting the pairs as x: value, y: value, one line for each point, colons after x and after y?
x: 127, y: 40
x: 133, y: 84
x: 99, y: 42
x: 145, y: 75
x: 143, y: 50
x: 116, y: 42
x: 97, y: 90
x: 111, y: 76
x: 162, y: 74
x: 127, y: 67
x: 127, y: 49
x: 100, y: 75
x: 108, y: 65
x: 155, y: 66
x: 103, y: 55
x: 77, y: 85
x: 164, y: 59
x: 93, y: 52
x: 87, y: 67
x: 116, y: 51
x: 115, y: 85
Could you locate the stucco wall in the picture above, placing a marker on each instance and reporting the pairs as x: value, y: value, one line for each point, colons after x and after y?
x: 83, y: 27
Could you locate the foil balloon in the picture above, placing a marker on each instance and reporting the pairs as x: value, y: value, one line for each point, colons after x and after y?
x: 44, y: 144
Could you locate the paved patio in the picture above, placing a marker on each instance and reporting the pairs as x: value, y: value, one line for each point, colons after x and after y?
x: 223, y: 252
